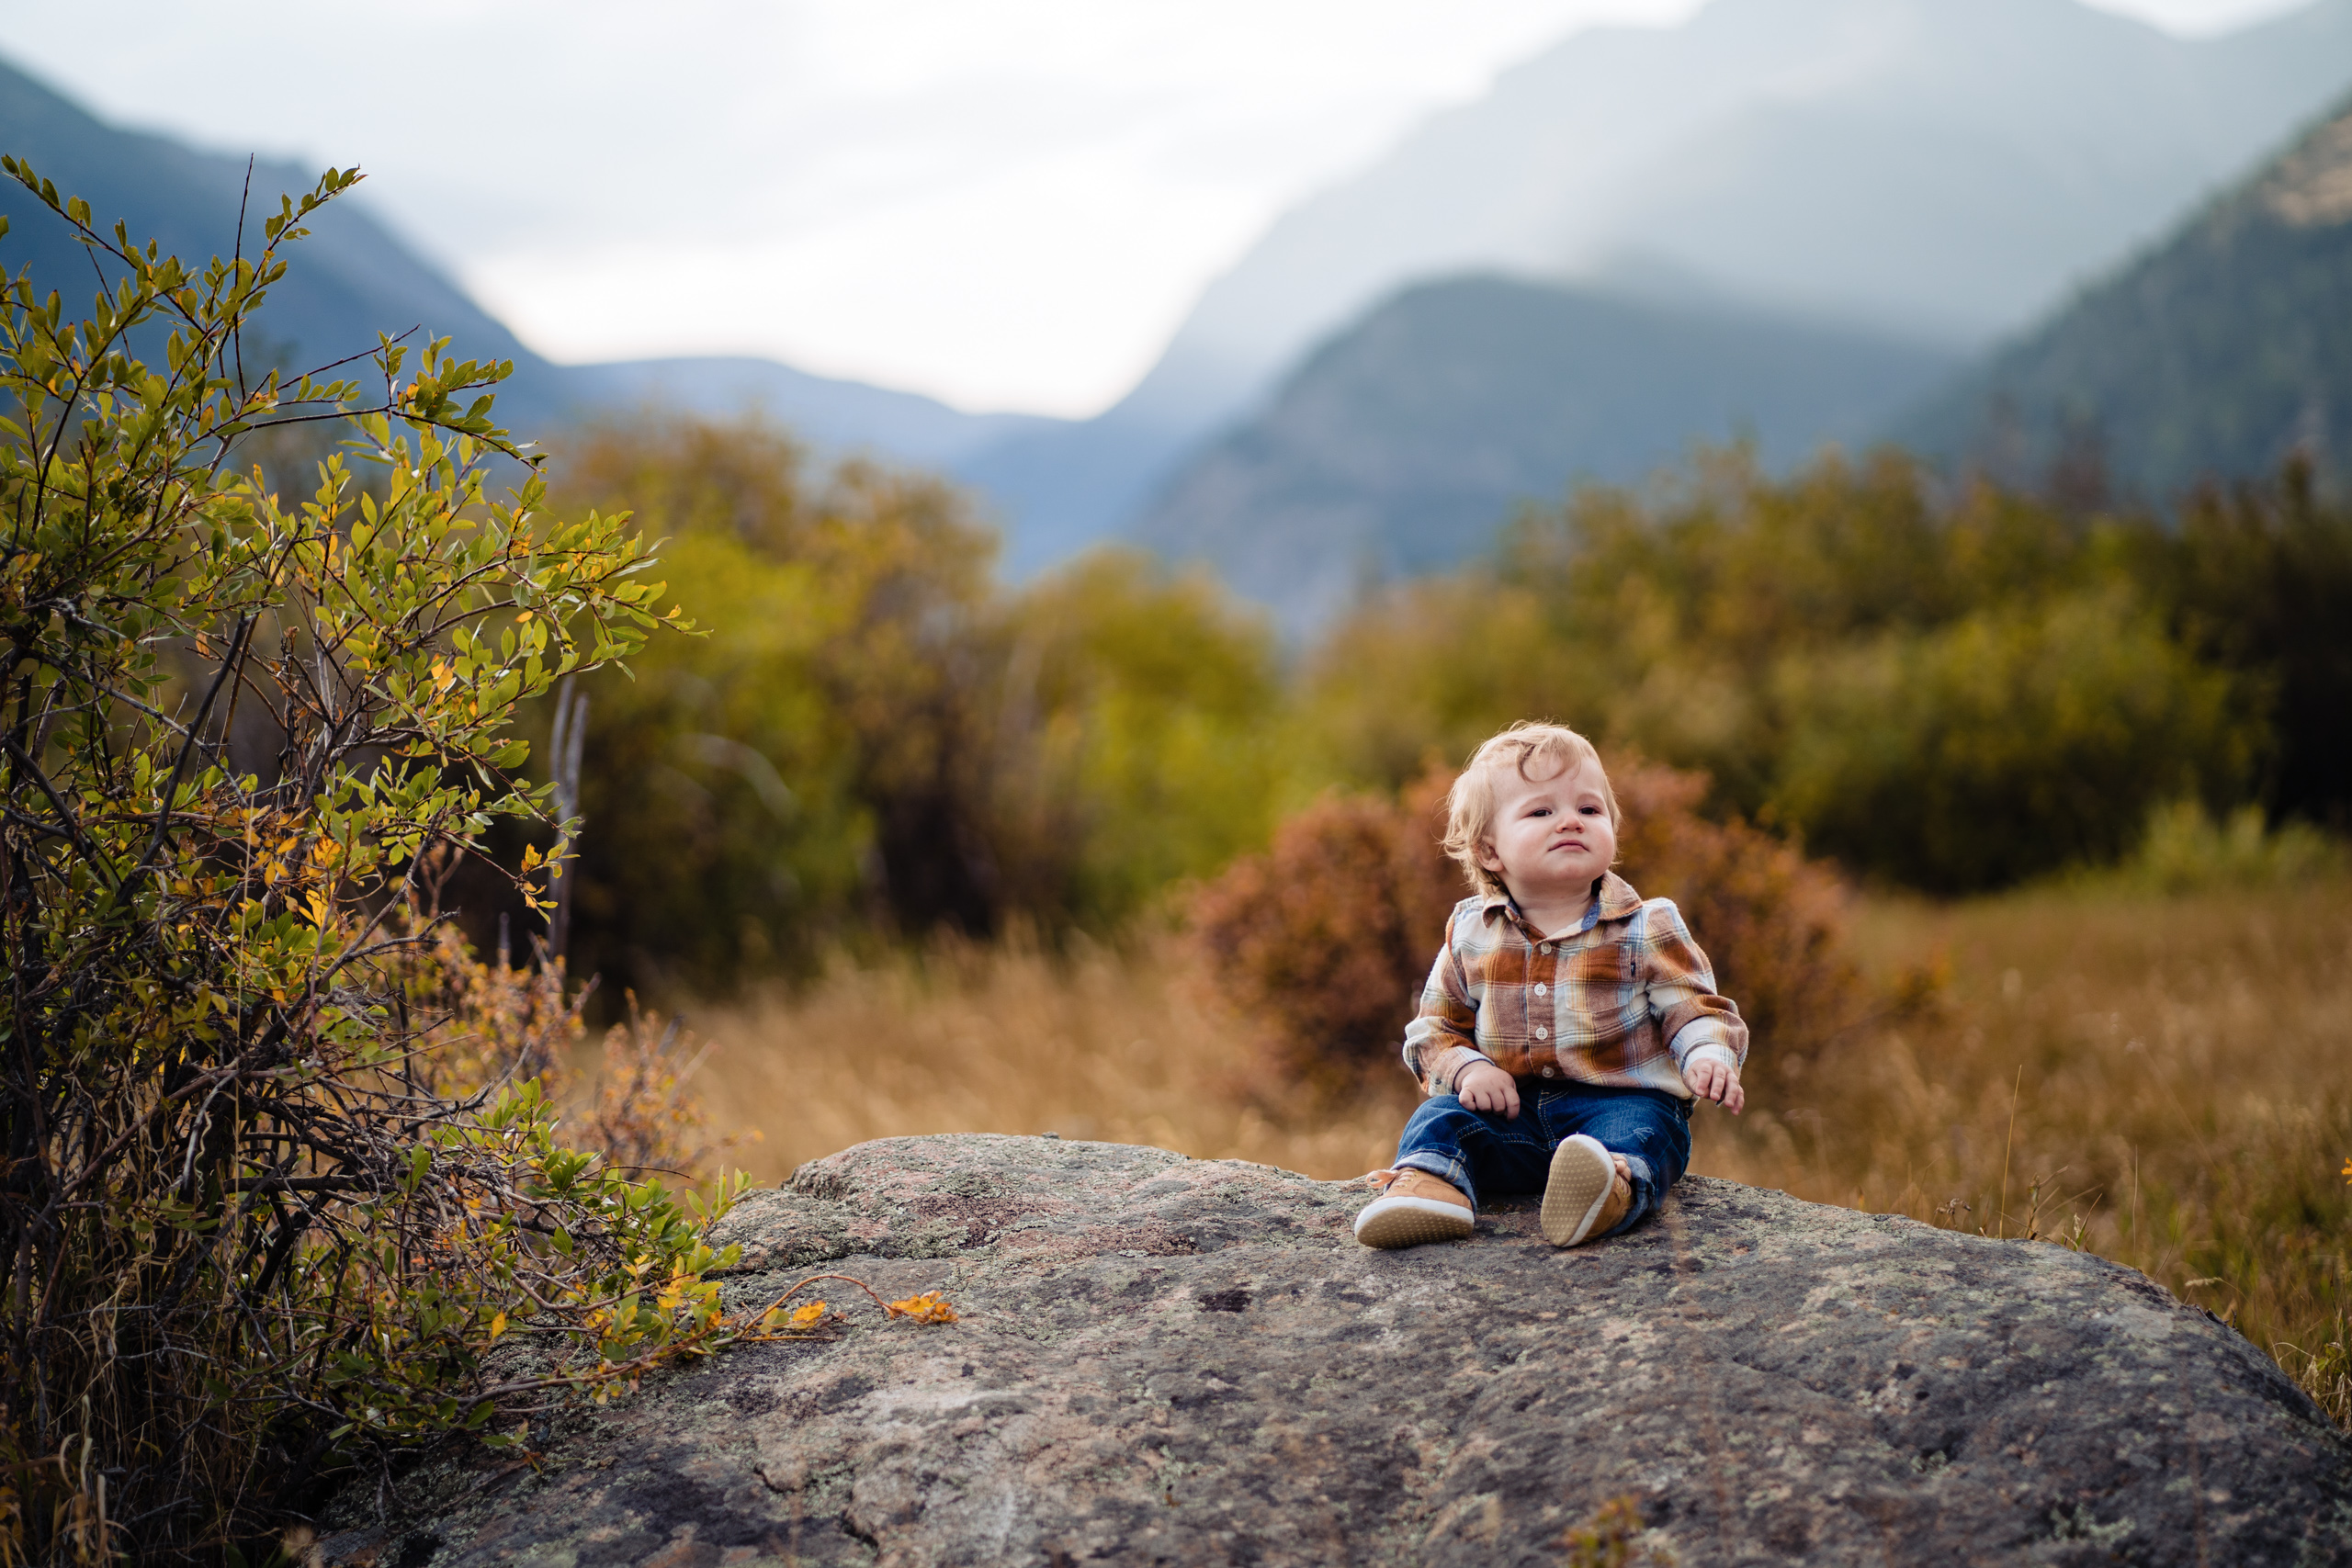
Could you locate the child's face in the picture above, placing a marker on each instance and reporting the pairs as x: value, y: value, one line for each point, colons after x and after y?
x: 1550, y: 835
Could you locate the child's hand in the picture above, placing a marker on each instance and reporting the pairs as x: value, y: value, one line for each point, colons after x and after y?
x: 1710, y: 1080
x: 1485, y: 1086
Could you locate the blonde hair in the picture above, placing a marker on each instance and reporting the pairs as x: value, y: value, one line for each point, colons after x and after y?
x: 1470, y: 806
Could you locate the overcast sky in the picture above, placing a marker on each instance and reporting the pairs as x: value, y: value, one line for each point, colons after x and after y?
x: 1005, y: 203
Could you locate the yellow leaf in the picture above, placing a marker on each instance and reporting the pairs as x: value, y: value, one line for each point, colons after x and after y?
x: 804, y: 1316
x: 497, y: 1325
x: 929, y: 1307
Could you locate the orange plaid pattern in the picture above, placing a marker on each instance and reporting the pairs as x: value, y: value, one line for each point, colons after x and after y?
x: 1622, y: 1000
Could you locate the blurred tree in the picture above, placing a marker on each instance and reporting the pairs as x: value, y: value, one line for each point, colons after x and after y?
x: 2004, y: 746
x: 809, y: 766
x: 1137, y: 727
x: 879, y: 740
x: 1818, y: 645
x: 2260, y: 581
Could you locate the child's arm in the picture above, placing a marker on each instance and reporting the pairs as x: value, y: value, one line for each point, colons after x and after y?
x: 1703, y: 1028
x: 1441, y: 1043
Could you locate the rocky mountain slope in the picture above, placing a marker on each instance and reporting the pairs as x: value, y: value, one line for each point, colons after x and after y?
x: 1939, y: 169
x: 2215, y: 356
x: 1402, y: 444
x: 1179, y: 1361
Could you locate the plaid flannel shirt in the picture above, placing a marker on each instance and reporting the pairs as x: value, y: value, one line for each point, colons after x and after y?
x: 1625, y: 999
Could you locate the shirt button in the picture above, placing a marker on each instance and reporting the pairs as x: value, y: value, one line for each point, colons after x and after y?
x: 1541, y: 988
x: 1542, y: 1032
x: 1549, y: 1073
x: 1545, y: 948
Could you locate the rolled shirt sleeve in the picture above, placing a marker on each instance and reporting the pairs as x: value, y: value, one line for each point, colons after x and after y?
x: 1692, y: 1016
x: 1441, y: 1043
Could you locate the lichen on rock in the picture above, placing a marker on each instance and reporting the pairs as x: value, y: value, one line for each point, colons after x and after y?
x: 1170, y: 1360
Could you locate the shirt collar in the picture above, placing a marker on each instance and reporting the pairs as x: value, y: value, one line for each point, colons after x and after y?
x: 1616, y: 901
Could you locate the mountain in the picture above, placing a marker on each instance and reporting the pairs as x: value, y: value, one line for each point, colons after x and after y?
x: 354, y: 277
x: 1404, y: 440
x: 831, y: 414
x: 2214, y: 355
x: 1942, y: 166
x: 1938, y: 168
x: 351, y: 279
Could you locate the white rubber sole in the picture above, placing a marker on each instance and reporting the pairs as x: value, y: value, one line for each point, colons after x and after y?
x: 1390, y: 1223
x: 1582, y: 1174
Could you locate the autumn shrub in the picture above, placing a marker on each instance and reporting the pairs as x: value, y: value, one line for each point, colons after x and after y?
x: 1327, y: 938
x: 265, y: 1213
x: 1773, y: 921
x: 490, y: 1024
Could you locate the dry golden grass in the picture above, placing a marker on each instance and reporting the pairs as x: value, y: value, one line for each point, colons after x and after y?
x: 2161, y: 1080
x: 1116, y: 1044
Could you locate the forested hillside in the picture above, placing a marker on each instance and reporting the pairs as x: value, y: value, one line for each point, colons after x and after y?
x: 2216, y: 355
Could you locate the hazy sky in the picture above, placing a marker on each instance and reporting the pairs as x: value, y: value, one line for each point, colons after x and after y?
x: 1005, y: 203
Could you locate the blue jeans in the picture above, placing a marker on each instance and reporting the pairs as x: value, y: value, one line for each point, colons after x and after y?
x: 1483, y: 1152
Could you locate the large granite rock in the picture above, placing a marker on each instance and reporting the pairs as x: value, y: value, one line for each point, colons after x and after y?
x: 1164, y: 1360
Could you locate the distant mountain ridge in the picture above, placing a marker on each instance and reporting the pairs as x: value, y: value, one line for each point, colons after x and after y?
x: 1794, y: 172
x: 1402, y: 444
x: 351, y: 280
x: 1931, y: 168
x: 2215, y: 354
x: 353, y: 277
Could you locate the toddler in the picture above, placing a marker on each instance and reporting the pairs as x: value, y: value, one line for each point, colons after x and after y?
x: 1568, y: 1026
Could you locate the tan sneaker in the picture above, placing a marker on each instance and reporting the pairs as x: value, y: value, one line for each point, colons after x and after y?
x: 1416, y: 1208
x: 1586, y: 1193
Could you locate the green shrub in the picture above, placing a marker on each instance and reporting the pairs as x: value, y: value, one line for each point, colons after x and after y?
x: 2186, y: 848
x: 245, y: 1237
x: 2006, y: 745
x: 1136, y: 734
x: 878, y: 738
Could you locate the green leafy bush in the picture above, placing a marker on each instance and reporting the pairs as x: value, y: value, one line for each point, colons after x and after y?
x: 2004, y: 746
x: 1857, y: 654
x: 878, y: 738
x: 245, y: 1235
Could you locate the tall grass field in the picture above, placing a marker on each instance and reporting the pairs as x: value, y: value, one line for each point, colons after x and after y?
x: 2155, y: 1076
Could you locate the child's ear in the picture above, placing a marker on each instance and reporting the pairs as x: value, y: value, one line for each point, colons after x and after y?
x: 1486, y: 856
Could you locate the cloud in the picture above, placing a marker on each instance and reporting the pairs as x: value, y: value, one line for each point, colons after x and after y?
x: 1009, y: 203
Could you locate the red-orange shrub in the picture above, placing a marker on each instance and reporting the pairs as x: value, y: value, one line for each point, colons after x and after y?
x: 1772, y: 922
x: 1328, y: 936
